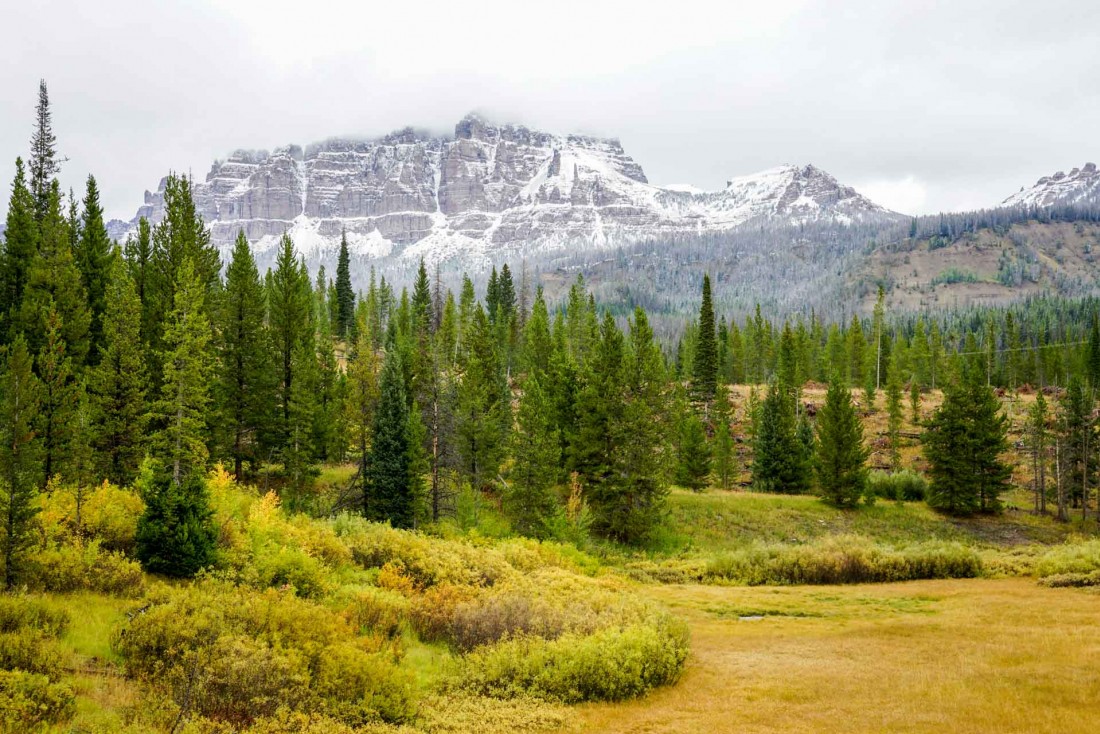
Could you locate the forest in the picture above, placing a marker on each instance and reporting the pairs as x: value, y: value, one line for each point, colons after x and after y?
x: 330, y: 510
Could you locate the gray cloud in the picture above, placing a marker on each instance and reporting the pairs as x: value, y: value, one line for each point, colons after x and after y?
x: 924, y: 105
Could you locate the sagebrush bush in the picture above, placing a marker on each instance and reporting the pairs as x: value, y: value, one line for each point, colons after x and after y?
x: 610, y: 665
x: 30, y: 700
x: 904, y: 485
x: 845, y: 560
x: 87, y: 567
x: 1071, y: 580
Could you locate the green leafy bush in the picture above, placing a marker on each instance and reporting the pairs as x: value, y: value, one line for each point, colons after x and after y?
x: 845, y: 560
x: 72, y: 567
x: 905, y: 485
x: 19, y: 612
x: 609, y: 665
x: 30, y: 700
x: 377, y: 611
x: 32, y: 651
x: 1078, y: 556
x: 359, y: 688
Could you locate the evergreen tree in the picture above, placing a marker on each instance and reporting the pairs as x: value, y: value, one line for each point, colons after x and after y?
x: 44, y: 165
x: 536, y: 446
x: 20, y: 457
x: 705, y: 365
x: 841, y: 454
x: 914, y: 401
x: 57, y: 403
x: 245, y: 387
x: 537, y: 344
x: 894, y: 415
x: 724, y: 467
x: 345, y: 296
x: 290, y: 309
x: 779, y: 455
x: 180, y: 413
x: 117, y: 385
x: 93, y: 258
x: 599, y: 404
x: 1093, y: 353
x: 693, y: 465
x: 138, y: 253
x: 54, y: 280
x: 1078, y: 438
x: 389, y: 495
x: 175, y: 535
x: 20, y: 248
x: 963, y: 444
x: 482, y: 412
x: 360, y: 405
x: 1038, y: 439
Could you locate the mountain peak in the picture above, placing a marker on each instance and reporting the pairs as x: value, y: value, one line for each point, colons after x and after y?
x: 1079, y: 186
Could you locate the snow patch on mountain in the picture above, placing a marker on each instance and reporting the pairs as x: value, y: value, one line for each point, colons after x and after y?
x: 1079, y: 186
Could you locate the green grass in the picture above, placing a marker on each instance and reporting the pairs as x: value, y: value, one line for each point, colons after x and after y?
x: 716, y: 521
x: 94, y: 618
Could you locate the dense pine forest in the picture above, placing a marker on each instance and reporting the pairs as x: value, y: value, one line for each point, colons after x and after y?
x: 145, y: 384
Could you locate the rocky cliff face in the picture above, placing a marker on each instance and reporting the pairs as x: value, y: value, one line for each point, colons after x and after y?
x: 488, y: 190
x: 1079, y: 186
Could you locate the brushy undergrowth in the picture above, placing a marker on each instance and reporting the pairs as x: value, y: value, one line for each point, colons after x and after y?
x: 1078, y: 558
x: 904, y: 486
x: 844, y: 560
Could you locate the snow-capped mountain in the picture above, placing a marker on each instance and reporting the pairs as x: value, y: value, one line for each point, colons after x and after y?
x: 1079, y: 186
x: 488, y: 190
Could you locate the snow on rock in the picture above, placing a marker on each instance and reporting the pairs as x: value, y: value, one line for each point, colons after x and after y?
x: 1079, y: 186
x: 488, y: 190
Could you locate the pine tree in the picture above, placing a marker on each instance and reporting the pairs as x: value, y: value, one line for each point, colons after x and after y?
x: 841, y: 454
x: 914, y: 401
x: 1078, y: 436
x: 117, y: 385
x: 963, y: 445
x: 894, y: 415
x: 599, y: 403
x: 54, y: 280
x: 20, y: 248
x: 44, y: 164
x: 1038, y: 440
x: 779, y: 455
x: 58, y: 401
x: 482, y: 408
x: 175, y: 535
x: 705, y: 366
x: 1093, y: 352
x: 20, y: 457
x: 245, y: 387
x: 537, y: 344
x: 390, y: 496
x: 138, y: 253
x: 290, y: 309
x: 180, y: 413
x: 536, y: 446
x: 345, y: 296
x: 693, y: 455
x: 93, y: 258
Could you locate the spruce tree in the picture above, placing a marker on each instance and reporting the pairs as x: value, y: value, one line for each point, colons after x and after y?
x: 529, y: 500
x: 482, y: 412
x: 20, y: 248
x: 693, y: 454
x: 138, y: 252
x: 245, y: 387
x: 345, y: 296
x: 599, y: 403
x: 58, y: 401
x: 963, y: 444
x: 290, y: 309
x: 1038, y: 439
x: 175, y: 535
x: 20, y: 457
x: 704, y: 375
x: 841, y: 454
x: 779, y: 455
x: 54, y: 280
x: 894, y: 415
x: 723, y: 440
x: 181, y: 410
x: 360, y: 405
x: 44, y: 164
x: 537, y: 344
x: 1077, y: 429
x: 93, y: 258
x: 117, y: 385
x: 390, y: 496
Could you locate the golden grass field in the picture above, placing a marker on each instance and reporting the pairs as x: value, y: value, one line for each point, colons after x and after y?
x: 929, y: 656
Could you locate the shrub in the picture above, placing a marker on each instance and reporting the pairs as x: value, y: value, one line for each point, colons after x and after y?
x: 108, y: 514
x: 359, y: 688
x: 431, y: 613
x: 450, y: 714
x: 905, y: 485
x: 29, y: 700
x: 32, y: 651
x: 1074, y: 557
x: 88, y: 567
x: 377, y: 611
x: 281, y: 565
x: 609, y: 665
x: 845, y: 560
x: 1071, y: 580
x: 503, y: 616
x: 19, y: 612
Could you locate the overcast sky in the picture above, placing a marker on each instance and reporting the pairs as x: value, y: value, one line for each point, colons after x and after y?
x: 924, y: 106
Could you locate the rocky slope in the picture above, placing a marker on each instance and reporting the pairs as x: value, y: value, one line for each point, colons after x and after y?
x: 490, y: 192
x: 1079, y: 186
